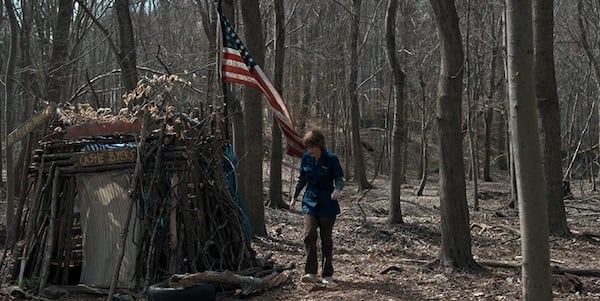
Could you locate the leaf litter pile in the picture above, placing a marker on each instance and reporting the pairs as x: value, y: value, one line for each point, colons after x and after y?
x: 377, y: 261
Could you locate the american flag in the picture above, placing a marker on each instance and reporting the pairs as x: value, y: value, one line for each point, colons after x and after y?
x: 239, y: 67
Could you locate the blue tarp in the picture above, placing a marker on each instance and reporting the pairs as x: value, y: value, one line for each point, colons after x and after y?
x: 230, y: 165
x: 101, y: 147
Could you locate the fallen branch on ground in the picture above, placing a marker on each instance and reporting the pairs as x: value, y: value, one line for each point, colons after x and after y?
x: 247, y: 284
x: 485, y: 227
x: 582, y: 208
x: 591, y: 235
x: 555, y: 268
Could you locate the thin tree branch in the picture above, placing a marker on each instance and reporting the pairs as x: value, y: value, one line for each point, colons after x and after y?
x: 111, y: 43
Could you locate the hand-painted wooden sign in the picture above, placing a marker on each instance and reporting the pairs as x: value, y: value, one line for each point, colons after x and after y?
x: 30, y: 125
x: 105, y: 157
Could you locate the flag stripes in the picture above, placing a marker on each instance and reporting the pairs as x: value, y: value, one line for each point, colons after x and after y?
x: 239, y: 67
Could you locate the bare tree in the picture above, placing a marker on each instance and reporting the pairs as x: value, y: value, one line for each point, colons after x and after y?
x: 536, y: 275
x: 588, y: 28
x: 233, y: 107
x: 275, y: 185
x: 471, y: 132
x: 57, y: 77
x: 456, y: 237
x: 425, y: 124
x: 358, y: 158
x: 127, y: 53
x: 549, y: 110
x: 491, y: 106
x: 8, y: 124
x: 254, y: 200
x: 398, y: 75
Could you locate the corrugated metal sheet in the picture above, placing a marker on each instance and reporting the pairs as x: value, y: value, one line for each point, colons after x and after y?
x: 103, y: 201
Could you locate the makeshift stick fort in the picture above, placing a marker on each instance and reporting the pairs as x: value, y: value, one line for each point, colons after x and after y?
x: 142, y: 192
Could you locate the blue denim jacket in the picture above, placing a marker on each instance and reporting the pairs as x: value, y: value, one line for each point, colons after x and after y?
x: 319, y: 177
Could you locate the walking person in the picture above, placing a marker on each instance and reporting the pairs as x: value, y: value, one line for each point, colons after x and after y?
x: 322, y: 175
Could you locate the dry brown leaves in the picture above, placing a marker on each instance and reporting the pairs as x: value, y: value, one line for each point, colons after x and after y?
x: 366, y: 246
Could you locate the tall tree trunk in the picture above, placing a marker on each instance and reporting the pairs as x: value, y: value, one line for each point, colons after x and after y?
x: 254, y: 201
x: 424, y: 147
x: 306, y: 77
x: 28, y: 76
x: 487, y: 140
x: 404, y: 146
x: 536, y: 276
x: 275, y: 187
x: 470, y: 120
x: 501, y: 130
x: 549, y: 110
x: 29, y: 84
x: 2, y: 101
x: 57, y: 77
x: 489, y: 112
x: 127, y: 55
x: 514, y: 197
x: 8, y: 124
x: 456, y: 237
x: 360, y: 174
x: 585, y: 44
x: 235, y: 112
x: 395, y: 213
x: 233, y: 106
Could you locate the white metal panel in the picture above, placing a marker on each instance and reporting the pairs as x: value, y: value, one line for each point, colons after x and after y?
x: 103, y: 201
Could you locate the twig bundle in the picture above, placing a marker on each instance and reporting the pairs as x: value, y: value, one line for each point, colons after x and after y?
x: 187, y: 219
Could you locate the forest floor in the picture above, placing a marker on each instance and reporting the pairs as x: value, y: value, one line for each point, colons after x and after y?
x: 365, y: 246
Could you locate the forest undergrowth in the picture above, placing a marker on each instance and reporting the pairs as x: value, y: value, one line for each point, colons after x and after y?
x: 378, y: 261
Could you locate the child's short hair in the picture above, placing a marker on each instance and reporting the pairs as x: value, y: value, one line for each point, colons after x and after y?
x: 314, y: 138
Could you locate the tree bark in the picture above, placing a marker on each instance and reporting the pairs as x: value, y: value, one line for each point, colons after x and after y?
x: 246, y: 284
x: 8, y: 123
x: 456, y: 237
x: 360, y: 174
x: 127, y: 54
x: 549, y: 110
x: 585, y: 44
x: 424, y: 147
x: 533, y: 218
x: 29, y: 77
x: 234, y: 109
x: 57, y: 77
x: 501, y: 130
x: 275, y: 187
x: 398, y: 75
x: 254, y: 201
x: 489, y: 112
x: 473, y: 158
x: 487, y: 141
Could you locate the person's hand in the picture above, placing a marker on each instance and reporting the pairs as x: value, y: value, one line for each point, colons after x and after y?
x: 335, y: 195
